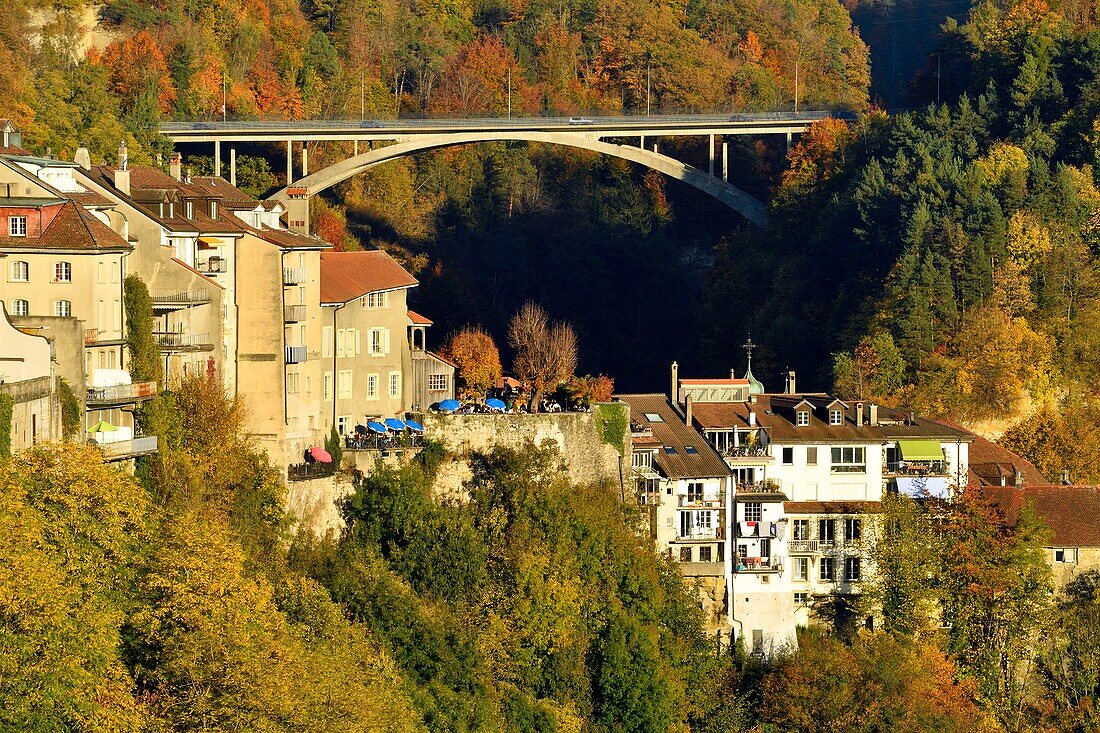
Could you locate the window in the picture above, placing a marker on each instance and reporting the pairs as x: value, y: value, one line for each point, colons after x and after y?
x: 343, y: 384
x: 695, y: 491
x: 114, y: 272
x: 1066, y: 554
x: 341, y: 340
x: 836, y: 417
x: 375, y: 300
x: 395, y: 384
x: 851, y: 569
x: 670, y: 449
x: 62, y: 272
x: 437, y: 382
x: 800, y: 530
x: 378, y: 341
x: 827, y: 571
x: 803, y: 418
x: 372, y: 386
x: 292, y: 383
x: 326, y: 386
x: 848, y: 460
x: 853, y: 530
x: 326, y: 342
x: 189, y: 208
x: 801, y: 598
x: 342, y: 423
x: 17, y: 226
x: 641, y: 459
x: 753, y: 511
x: 811, y: 455
x: 20, y: 308
x: 705, y: 554
x: 801, y: 568
x: 788, y: 456
x: 826, y: 530
x: 685, y: 554
x: 62, y: 308
x: 691, y: 450
x: 213, y: 209
x: 653, y: 417
x: 20, y: 272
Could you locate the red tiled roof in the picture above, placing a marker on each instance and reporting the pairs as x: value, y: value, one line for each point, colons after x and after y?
x: 989, y: 460
x: 437, y: 357
x: 72, y: 228
x: 1071, y: 512
x: 418, y: 320
x: 676, y: 436
x: 346, y: 276
x: 831, y: 507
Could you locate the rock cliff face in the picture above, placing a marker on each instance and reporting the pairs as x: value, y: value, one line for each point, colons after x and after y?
x: 591, y: 447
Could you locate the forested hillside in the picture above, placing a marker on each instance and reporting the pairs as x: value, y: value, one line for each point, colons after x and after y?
x: 947, y: 259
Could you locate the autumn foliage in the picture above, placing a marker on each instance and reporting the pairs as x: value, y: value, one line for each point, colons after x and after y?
x: 477, y: 358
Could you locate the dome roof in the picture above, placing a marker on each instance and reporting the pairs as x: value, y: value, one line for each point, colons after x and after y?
x: 755, y: 385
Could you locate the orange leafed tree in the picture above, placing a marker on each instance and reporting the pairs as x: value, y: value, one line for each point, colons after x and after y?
x: 477, y: 80
x: 478, y: 360
x: 136, y: 65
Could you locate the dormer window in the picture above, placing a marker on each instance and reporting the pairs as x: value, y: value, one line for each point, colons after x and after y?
x: 802, y: 418
x: 171, y: 210
x: 836, y: 417
x: 17, y: 226
x: 189, y: 209
x: 213, y: 209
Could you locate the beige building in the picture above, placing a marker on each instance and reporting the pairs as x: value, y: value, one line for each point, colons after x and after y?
x: 27, y: 376
x: 433, y: 377
x: 365, y: 348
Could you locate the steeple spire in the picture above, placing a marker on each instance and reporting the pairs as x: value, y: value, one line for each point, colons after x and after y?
x: 755, y: 386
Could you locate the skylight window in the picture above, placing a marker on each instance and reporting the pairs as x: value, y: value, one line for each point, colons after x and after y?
x: 690, y: 449
x: 653, y: 417
x: 670, y: 449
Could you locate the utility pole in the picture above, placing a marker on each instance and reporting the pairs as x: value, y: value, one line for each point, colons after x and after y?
x: 509, y: 92
x: 648, y: 84
x: 223, y: 96
x: 797, y: 64
x: 362, y: 96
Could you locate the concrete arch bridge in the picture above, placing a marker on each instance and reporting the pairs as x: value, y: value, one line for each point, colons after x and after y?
x: 408, y: 137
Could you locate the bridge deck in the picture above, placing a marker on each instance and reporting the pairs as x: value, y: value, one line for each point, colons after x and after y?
x: 602, y: 127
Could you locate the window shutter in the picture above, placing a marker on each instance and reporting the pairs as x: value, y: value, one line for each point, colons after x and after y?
x: 358, y: 350
x: 386, y: 341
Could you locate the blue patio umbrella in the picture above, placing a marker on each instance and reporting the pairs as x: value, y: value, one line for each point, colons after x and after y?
x: 494, y: 403
x: 449, y: 405
x: 377, y: 427
x: 414, y: 426
x: 394, y: 424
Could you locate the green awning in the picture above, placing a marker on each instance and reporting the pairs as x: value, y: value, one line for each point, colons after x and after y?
x: 920, y: 450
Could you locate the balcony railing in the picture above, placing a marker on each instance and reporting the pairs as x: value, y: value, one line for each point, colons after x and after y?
x: 802, y: 545
x: 713, y: 533
x: 295, y: 354
x: 294, y: 275
x: 758, y: 564
x: 916, y: 468
x: 294, y: 313
x: 122, y: 393
x: 757, y: 529
x: 767, y: 486
x: 744, y: 451
x: 123, y: 449
x: 304, y: 471
x: 177, y: 341
x: 699, y: 502
x: 180, y: 298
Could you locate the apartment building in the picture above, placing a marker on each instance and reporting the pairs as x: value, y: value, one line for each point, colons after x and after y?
x: 27, y: 377
x: 365, y: 338
x: 809, y: 470
x: 685, y: 488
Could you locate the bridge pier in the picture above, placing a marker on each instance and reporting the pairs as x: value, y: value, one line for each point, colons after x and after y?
x: 233, y: 167
x: 725, y: 161
x: 305, y: 161
x: 710, y: 154
x: 289, y: 162
x: 218, y: 158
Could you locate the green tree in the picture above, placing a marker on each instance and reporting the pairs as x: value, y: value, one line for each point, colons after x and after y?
x: 145, y: 364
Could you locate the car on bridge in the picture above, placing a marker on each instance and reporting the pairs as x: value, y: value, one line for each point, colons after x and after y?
x: 580, y: 121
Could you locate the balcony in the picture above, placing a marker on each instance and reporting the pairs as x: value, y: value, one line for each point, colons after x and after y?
x: 121, y: 394
x: 698, y: 502
x: 743, y: 454
x: 176, y: 300
x: 178, y: 341
x: 758, y: 565
x: 294, y: 313
x: 700, y: 534
x: 916, y: 468
x: 756, y: 529
x: 295, y: 275
x: 803, y: 546
x: 306, y: 471
x: 213, y: 266
x: 295, y: 354
x: 122, y: 450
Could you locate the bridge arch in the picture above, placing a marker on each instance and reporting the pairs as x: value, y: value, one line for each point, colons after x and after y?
x: 731, y: 196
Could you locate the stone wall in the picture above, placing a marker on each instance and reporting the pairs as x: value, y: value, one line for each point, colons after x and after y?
x: 586, y: 450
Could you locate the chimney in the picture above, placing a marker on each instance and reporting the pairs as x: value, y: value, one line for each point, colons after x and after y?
x: 859, y: 414
x: 122, y: 172
x: 791, y: 389
x: 175, y: 166
x: 687, y: 409
x: 674, y: 392
x: 83, y: 158
x: 872, y: 411
x: 1019, y: 479
x: 123, y: 156
x: 1065, y: 478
